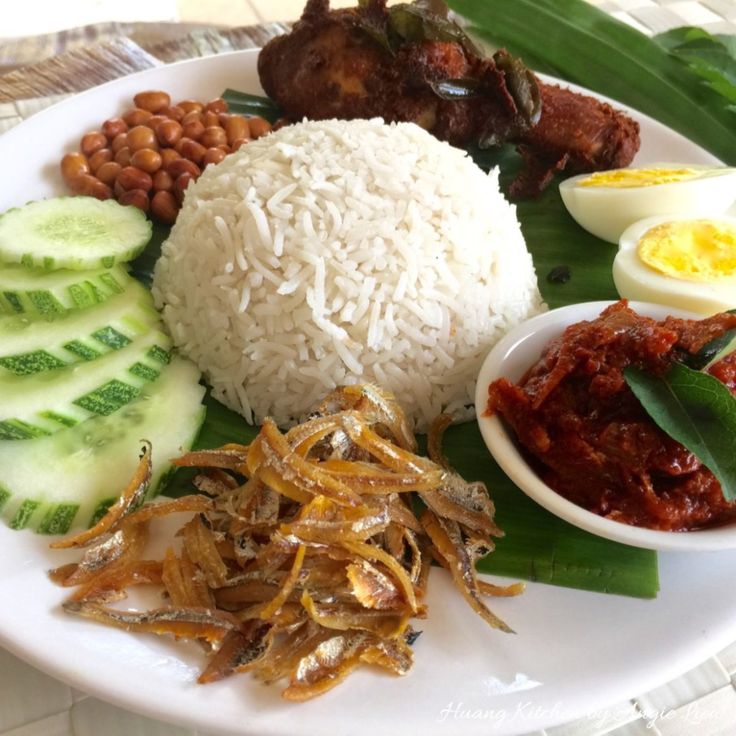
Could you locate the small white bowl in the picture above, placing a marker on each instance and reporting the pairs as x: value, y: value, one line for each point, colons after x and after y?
x: 511, y: 358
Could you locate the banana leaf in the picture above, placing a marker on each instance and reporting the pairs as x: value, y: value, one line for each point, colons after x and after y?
x: 575, y: 41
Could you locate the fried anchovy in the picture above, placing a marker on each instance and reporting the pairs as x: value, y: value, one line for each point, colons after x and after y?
x: 131, y: 497
x: 187, y: 623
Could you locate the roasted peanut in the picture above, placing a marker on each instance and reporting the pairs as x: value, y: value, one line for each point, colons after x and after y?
x: 169, y: 132
x: 98, y: 158
x: 258, y: 126
x: 217, y: 105
x: 141, y: 136
x: 136, y: 116
x: 183, y: 166
x: 174, y: 112
x: 136, y: 197
x: 193, y: 129
x: 213, y: 156
x: 164, y: 207
x: 190, y: 105
x: 152, y: 100
x: 108, y: 172
x: 213, y: 136
x: 146, y: 160
x: 119, y: 141
x: 236, y: 127
x: 123, y: 156
x: 180, y: 185
x: 238, y: 142
x: 210, y: 118
x: 132, y: 178
x: 163, y: 181
x: 74, y: 165
x: 167, y: 156
x: 92, y: 142
x: 90, y: 186
x: 192, y: 115
x: 191, y: 149
x: 155, y: 121
x: 114, y: 127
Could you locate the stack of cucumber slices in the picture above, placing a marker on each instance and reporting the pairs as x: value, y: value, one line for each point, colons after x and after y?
x: 86, y: 368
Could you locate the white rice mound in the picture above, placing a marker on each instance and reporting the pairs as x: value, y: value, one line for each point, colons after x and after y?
x: 340, y: 252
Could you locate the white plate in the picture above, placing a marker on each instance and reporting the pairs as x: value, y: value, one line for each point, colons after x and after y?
x: 511, y: 358
x: 575, y: 653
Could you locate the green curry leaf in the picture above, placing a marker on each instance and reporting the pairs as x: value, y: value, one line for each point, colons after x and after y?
x: 696, y: 410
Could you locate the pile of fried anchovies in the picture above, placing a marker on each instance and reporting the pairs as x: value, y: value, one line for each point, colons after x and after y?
x: 307, y: 552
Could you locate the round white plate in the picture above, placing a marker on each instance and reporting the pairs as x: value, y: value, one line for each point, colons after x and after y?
x: 575, y: 653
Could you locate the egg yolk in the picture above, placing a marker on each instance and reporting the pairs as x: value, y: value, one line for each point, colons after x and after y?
x: 694, y: 250
x: 627, y: 178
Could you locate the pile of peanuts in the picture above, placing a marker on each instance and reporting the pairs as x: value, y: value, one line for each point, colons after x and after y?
x: 147, y: 157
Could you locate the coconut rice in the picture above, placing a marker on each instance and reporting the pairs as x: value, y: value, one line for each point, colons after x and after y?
x: 342, y: 252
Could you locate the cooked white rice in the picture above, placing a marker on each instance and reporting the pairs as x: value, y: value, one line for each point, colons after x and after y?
x: 343, y: 252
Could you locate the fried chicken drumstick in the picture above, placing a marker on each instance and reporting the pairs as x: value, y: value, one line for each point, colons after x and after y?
x: 407, y: 63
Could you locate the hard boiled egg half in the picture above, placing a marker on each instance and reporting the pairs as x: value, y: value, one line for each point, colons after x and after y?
x: 683, y: 262
x: 607, y: 202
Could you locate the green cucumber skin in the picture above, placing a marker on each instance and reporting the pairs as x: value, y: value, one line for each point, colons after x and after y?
x: 77, y: 233
x: 42, y: 295
x: 56, y: 483
x: 32, y: 346
x: 45, y: 403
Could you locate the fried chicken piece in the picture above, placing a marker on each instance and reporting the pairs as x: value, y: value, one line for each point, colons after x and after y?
x: 331, y: 65
x: 351, y: 63
x: 577, y: 133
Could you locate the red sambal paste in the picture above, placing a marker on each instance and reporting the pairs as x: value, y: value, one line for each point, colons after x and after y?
x: 588, y: 435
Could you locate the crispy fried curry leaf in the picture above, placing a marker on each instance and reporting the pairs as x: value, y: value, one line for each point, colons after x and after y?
x: 523, y: 86
x: 696, y: 410
x: 585, y: 45
x: 421, y: 21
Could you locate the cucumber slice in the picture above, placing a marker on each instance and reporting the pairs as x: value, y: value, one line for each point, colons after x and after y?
x: 52, y: 483
x: 72, y: 232
x: 29, y: 346
x: 35, y: 292
x: 44, y: 403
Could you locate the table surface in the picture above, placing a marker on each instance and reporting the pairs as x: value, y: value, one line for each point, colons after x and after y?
x: 36, y: 72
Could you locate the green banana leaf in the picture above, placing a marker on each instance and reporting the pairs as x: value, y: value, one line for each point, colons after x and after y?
x: 575, y: 41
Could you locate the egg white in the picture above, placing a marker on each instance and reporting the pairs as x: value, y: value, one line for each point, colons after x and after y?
x: 607, y: 211
x: 635, y: 280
